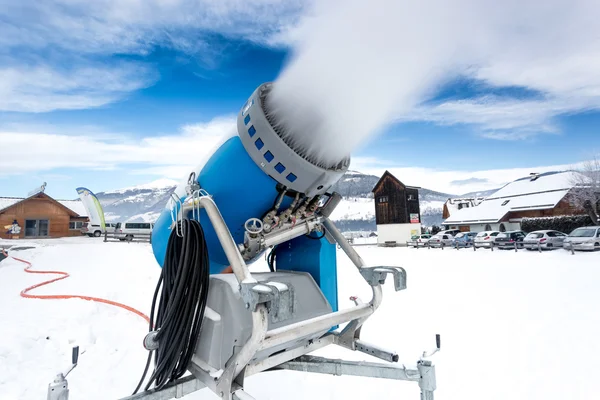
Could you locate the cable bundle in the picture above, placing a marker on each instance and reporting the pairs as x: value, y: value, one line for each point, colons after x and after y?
x: 183, y: 287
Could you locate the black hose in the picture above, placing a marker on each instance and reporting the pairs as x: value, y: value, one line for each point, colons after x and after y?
x: 316, y: 237
x: 271, y: 259
x: 183, y: 287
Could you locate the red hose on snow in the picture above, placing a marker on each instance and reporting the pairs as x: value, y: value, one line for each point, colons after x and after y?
x: 65, y: 275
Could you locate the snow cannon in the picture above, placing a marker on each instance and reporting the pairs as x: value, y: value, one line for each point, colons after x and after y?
x: 257, y: 194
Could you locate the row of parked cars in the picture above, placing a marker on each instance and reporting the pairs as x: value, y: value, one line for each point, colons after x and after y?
x: 120, y: 230
x: 586, y: 238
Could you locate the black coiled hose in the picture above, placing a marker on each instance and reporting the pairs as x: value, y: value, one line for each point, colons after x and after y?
x: 183, y: 287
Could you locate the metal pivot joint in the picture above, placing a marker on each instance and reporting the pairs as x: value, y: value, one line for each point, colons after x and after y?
x: 377, y: 275
x: 277, y: 297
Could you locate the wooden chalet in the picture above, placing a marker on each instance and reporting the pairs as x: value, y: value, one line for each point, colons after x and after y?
x: 41, y: 216
x: 397, y: 211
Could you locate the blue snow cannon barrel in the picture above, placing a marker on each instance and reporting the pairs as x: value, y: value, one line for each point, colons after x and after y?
x: 246, y: 174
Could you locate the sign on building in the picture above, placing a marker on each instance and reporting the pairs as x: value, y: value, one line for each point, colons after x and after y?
x: 414, y: 218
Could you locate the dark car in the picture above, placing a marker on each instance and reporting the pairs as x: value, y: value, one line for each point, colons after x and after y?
x: 507, y: 240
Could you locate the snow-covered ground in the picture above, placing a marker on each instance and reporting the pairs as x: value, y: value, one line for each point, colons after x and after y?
x: 354, y: 208
x: 514, y: 325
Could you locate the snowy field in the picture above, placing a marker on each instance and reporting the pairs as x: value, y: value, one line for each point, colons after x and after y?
x: 514, y: 325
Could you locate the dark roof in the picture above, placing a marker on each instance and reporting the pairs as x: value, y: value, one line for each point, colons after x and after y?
x: 387, y: 173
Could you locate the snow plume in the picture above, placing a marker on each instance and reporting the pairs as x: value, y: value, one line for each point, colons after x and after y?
x: 358, y: 66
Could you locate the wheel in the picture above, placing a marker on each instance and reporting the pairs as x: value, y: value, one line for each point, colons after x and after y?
x: 596, y: 246
x: 128, y: 237
x: 97, y: 233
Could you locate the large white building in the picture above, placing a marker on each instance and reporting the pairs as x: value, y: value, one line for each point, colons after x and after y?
x: 538, y: 195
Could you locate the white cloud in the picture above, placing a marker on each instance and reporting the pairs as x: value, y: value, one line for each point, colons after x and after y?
x: 132, y: 26
x: 53, y: 52
x: 167, y: 155
x: 44, y: 88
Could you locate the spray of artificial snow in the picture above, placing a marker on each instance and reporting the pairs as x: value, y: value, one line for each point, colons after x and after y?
x: 359, y: 65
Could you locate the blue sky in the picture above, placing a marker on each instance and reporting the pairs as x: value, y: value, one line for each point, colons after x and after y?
x: 123, y: 96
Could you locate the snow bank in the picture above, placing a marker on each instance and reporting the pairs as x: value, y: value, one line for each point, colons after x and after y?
x: 514, y: 325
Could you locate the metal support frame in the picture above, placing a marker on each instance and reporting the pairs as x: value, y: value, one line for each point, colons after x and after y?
x: 228, y: 384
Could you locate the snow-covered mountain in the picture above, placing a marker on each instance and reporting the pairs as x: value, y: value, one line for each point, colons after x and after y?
x: 142, y: 203
x: 356, y: 212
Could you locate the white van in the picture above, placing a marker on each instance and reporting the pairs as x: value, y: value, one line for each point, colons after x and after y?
x: 128, y: 230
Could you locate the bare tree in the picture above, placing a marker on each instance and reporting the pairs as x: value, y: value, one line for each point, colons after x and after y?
x: 586, y: 188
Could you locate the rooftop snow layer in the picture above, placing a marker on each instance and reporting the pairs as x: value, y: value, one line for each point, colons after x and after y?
x: 544, y: 182
x: 6, y: 202
x: 541, y: 193
x: 74, y: 205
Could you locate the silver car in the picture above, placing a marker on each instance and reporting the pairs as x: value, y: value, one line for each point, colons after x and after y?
x: 440, y: 240
x: 485, y: 238
x: 546, y: 240
x: 587, y: 238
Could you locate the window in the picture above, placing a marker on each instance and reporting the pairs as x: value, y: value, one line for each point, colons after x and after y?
x: 583, y: 232
x: 502, y: 228
x: 536, y: 235
x: 488, y: 227
x: 505, y: 202
x: 75, y: 225
x: 36, y: 227
x: 132, y: 225
x: 382, y: 199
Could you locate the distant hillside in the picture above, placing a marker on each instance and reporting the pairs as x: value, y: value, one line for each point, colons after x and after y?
x: 356, y: 212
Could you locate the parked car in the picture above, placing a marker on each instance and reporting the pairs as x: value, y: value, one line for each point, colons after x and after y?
x: 96, y: 230
x: 440, y: 240
x: 452, y: 232
x: 507, y: 240
x: 485, y: 238
x: 91, y: 229
x: 544, y: 239
x: 128, y: 230
x: 419, y: 240
x: 464, y: 239
x: 587, y: 238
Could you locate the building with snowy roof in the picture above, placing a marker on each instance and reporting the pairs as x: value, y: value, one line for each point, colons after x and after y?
x: 453, y: 205
x: 39, y: 215
x: 537, y: 195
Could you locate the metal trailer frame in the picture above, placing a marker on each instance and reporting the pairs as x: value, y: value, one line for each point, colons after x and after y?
x: 229, y: 383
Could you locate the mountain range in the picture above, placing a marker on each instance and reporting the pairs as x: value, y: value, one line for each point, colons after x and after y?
x: 356, y: 212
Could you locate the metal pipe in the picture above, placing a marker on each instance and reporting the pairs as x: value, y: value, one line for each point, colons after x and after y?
x: 260, y: 324
x: 279, y: 237
x: 349, y: 250
x: 237, y: 263
x: 356, y: 368
x: 308, y: 327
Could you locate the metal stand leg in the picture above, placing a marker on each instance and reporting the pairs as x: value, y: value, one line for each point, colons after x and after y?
x: 424, y: 374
